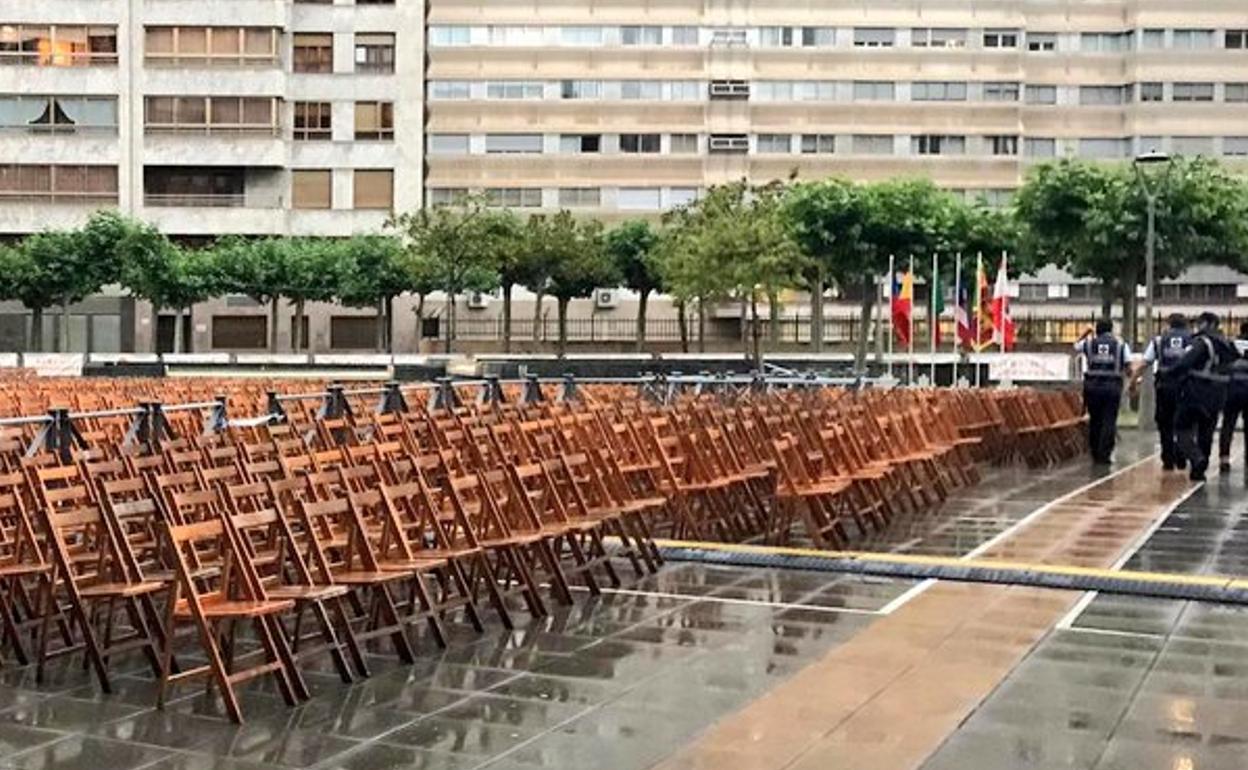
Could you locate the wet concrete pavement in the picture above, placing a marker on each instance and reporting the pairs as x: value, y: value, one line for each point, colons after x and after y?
x: 741, y: 666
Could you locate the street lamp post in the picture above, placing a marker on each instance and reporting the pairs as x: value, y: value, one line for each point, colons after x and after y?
x: 1151, y: 183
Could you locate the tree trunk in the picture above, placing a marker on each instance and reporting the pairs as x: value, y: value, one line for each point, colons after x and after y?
x: 1130, y: 305
x: 864, y: 322
x: 380, y: 330
x: 297, y: 342
x: 701, y: 326
x: 743, y: 327
x: 177, y: 331
x: 450, y: 320
x: 507, y: 318
x: 756, y: 334
x: 773, y: 319
x: 1107, y: 299
x: 563, y: 326
x: 273, y: 311
x: 188, y: 340
x: 62, y: 339
x: 420, y: 322
x: 537, y: 317
x: 643, y: 300
x: 34, y: 342
x: 682, y: 325
x: 816, y: 312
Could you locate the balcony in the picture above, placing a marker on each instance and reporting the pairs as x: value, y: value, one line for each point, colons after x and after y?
x: 176, y: 146
x: 204, y: 200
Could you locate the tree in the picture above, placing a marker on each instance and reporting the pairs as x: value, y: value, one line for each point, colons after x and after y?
x: 372, y: 271
x: 632, y: 245
x: 454, y: 244
x: 311, y: 268
x: 825, y: 219
x: 503, y: 241
x: 256, y: 268
x: 578, y: 264
x: 533, y: 265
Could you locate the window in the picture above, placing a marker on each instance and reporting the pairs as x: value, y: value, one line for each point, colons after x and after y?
x: 775, y: 143
x: 1235, y: 146
x: 580, y: 197
x: 1002, y: 145
x: 684, y: 36
x: 58, y: 45
x: 374, y: 52
x: 517, y: 35
x: 1236, y: 92
x: 514, y: 89
x: 686, y: 91
x: 874, y: 91
x: 681, y: 196
x: 735, y: 144
x: 1001, y: 92
x: 514, y: 197
x: 635, y: 35
x: 1104, y: 148
x: 639, y: 143
x: 444, y: 196
x: 449, y: 90
x: 313, y: 52
x: 1192, y: 92
x: 818, y: 144
x: 683, y: 144
x: 1152, y: 92
x: 448, y: 144
x: 513, y: 144
x: 936, y: 144
x: 728, y: 36
x: 938, y: 91
x: 206, y: 46
x: 228, y: 114
x: 312, y: 121
x: 580, y: 89
x: 1152, y: 39
x: 1236, y: 39
x: 69, y: 184
x: 1102, y: 95
x: 240, y: 332
x: 638, y: 198
x: 217, y: 186
x: 771, y: 37
x: 581, y: 36
x: 1148, y: 144
x: 59, y: 114
x: 818, y: 37
x: 311, y: 188
x: 1104, y: 42
x: 1041, y: 42
x: 1041, y: 94
x: 1035, y: 147
x: 374, y: 121
x: 1192, y: 145
x: 1193, y: 39
x: 576, y: 144
x: 935, y: 37
x: 874, y: 37
x: 374, y: 189
x: 649, y: 90
x: 1000, y: 38
x: 872, y: 144
x: 773, y: 91
x: 442, y: 35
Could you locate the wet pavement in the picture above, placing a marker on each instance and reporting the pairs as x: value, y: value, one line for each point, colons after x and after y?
x: 745, y: 659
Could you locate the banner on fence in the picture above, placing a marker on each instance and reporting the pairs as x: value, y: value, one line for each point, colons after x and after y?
x: 1026, y: 367
x: 54, y: 364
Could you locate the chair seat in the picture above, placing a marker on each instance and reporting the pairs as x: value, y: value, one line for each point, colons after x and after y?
x: 120, y: 589
x: 417, y: 564
x: 364, y: 577
x: 234, y: 608
x: 299, y: 593
x: 10, y: 570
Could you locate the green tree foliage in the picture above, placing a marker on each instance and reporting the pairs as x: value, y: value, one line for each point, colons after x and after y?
x: 256, y: 268
x: 577, y: 262
x: 633, y: 246
x: 371, y: 271
x: 825, y: 219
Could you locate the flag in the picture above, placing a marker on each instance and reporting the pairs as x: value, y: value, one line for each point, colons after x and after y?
x: 983, y: 312
x: 938, y: 308
x: 1002, y: 324
x: 903, y: 301
x: 962, y: 318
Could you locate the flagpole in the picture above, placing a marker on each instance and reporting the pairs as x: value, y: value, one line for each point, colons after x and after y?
x: 910, y: 342
x: 892, y: 289
x: 957, y: 303
x: 979, y: 289
x: 933, y: 321
x: 1005, y: 300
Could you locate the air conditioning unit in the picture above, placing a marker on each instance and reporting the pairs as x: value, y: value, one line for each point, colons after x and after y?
x: 730, y: 89
x: 478, y: 300
x: 730, y: 143
x: 605, y: 299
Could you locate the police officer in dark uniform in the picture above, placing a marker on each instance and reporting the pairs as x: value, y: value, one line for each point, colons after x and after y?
x: 1107, y: 358
x: 1203, y: 377
x: 1165, y: 350
x: 1236, y: 400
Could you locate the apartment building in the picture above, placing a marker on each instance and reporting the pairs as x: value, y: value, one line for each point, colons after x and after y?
x: 627, y: 107
x: 252, y: 117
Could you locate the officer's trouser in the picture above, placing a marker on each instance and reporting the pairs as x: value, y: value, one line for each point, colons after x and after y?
x: 1167, y: 405
x: 1195, y: 420
x: 1102, y: 397
x: 1236, y: 406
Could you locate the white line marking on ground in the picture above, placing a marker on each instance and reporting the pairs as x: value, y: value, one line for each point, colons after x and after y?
x: 1067, y: 621
x: 732, y: 600
x: 1112, y: 632
x: 1009, y: 531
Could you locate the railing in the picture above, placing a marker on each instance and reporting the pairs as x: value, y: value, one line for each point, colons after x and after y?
x: 223, y: 201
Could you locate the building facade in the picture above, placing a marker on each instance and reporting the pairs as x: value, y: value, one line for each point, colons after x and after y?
x: 320, y: 117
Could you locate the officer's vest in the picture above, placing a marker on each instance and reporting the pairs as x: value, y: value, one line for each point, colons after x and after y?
x: 1239, y: 367
x: 1215, y: 368
x: 1104, y: 356
x: 1170, y: 347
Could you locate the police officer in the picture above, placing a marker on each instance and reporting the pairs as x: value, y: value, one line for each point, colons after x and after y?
x: 1165, y: 350
x: 1202, y: 375
x: 1107, y: 358
x: 1236, y: 400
